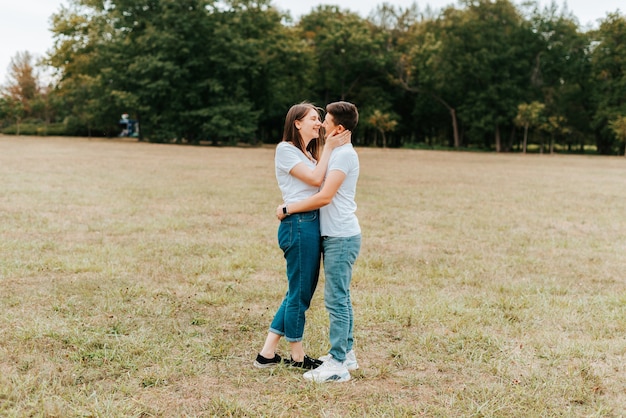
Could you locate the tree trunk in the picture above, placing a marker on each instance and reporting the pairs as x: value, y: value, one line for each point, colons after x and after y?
x: 498, y: 140
x: 525, y: 137
x: 551, y: 145
x: 510, y: 146
x: 455, y: 128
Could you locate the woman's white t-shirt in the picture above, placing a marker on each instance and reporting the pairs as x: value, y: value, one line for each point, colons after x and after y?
x: 287, y: 157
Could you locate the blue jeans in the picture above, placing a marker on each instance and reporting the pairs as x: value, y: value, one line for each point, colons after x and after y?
x: 299, y: 238
x: 340, y: 254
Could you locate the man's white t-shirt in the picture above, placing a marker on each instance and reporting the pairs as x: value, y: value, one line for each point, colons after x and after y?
x: 287, y: 157
x: 338, y: 218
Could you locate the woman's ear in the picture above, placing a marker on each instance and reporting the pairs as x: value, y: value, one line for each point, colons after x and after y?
x: 297, y: 124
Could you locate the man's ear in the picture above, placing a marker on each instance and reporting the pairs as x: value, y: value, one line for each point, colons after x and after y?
x: 340, y: 129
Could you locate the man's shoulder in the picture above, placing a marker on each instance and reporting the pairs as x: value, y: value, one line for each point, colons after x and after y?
x: 344, y: 158
x: 346, y: 150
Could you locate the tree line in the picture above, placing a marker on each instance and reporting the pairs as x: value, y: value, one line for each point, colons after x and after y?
x: 485, y: 74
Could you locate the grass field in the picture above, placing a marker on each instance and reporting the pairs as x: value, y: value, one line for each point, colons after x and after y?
x: 139, y: 280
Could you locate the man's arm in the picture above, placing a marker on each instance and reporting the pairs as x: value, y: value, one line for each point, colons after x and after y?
x: 322, y: 198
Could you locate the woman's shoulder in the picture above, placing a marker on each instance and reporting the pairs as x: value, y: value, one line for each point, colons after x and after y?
x: 288, y: 154
x: 286, y: 147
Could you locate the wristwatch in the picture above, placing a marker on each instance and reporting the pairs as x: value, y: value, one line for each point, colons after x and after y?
x: 285, y: 211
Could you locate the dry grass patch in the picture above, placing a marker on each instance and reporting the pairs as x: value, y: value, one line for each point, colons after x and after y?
x: 140, y: 279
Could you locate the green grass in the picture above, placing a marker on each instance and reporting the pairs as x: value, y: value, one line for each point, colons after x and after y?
x: 140, y: 279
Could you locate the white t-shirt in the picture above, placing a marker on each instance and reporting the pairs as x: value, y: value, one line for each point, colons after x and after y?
x: 338, y: 218
x: 287, y: 157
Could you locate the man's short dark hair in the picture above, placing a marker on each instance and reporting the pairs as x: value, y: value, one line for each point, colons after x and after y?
x: 344, y: 113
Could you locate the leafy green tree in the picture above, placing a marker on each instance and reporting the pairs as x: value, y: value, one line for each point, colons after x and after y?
x: 618, y: 126
x: 382, y: 122
x: 203, y: 70
x: 609, y: 76
x: 348, y: 52
x: 529, y: 115
x: 475, y: 61
x: 82, y: 59
x: 493, y: 45
x: 220, y: 122
x: 562, y: 69
x: 164, y: 50
x: 420, y: 68
x: 13, y: 109
x: 280, y: 69
x: 555, y: 125
x: 44, y: 106
x: 182, y: 68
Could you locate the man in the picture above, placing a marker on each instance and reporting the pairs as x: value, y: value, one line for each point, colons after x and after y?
x: 341, y: 243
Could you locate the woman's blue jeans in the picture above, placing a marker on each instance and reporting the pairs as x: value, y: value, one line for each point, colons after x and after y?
x: 299, y: 238
x: 340, y: 254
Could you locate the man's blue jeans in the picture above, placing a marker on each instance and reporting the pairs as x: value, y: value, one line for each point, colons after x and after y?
x: 299, y: 238
x: 340, y: 254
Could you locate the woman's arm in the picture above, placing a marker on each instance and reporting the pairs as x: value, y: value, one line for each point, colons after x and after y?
x: 315, y: 177
x: 321, y: 198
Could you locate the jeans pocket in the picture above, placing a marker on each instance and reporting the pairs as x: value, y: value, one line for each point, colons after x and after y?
x: 308, y: 216
x: 285, y: 235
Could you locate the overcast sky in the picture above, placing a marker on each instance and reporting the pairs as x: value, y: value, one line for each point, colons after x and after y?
x: 25, y: 24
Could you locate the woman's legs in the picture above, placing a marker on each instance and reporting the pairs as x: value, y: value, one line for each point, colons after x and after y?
x: 299, y: 238
x: 271, y: 343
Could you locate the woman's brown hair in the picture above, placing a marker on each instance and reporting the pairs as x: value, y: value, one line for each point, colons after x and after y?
x: 292, y: 134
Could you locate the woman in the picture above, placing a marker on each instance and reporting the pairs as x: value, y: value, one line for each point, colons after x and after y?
x: 300, y: 170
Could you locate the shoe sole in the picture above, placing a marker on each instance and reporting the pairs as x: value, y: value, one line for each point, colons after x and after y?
x: 352, y: 367
x: 334, y: 378
x: 264, y: 366
x: 303, y: 366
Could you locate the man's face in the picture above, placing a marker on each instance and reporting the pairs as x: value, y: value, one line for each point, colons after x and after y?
x: 329, y: 123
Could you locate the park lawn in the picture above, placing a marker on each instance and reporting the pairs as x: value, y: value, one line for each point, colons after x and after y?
x: 140, y: 279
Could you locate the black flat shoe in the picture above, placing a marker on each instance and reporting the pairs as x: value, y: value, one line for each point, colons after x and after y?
x: 263, y: 363
x: 308, y: 363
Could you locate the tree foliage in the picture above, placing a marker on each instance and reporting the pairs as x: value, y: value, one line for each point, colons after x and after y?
x: 529, y: 115
x: 194, y: 71
x: 609, y: 78
x: 618, y: 126
x: 383, y: 123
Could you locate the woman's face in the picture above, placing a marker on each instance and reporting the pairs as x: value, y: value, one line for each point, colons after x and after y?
x: 309, y: 126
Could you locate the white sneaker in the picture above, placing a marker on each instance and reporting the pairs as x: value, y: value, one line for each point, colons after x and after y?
x: 330, y: 371
x: 350, y: 363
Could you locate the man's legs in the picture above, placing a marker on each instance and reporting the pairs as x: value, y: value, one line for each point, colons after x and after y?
x: 340, y: 255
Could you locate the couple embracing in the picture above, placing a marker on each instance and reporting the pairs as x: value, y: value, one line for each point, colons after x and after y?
x: 318, y: 181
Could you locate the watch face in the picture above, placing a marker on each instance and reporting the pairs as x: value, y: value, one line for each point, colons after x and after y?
x: 284, y: 210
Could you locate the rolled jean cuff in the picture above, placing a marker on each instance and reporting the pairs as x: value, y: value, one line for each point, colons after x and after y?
x: 282, y: 334
x: 293, y: 340
x: 277, y: 332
